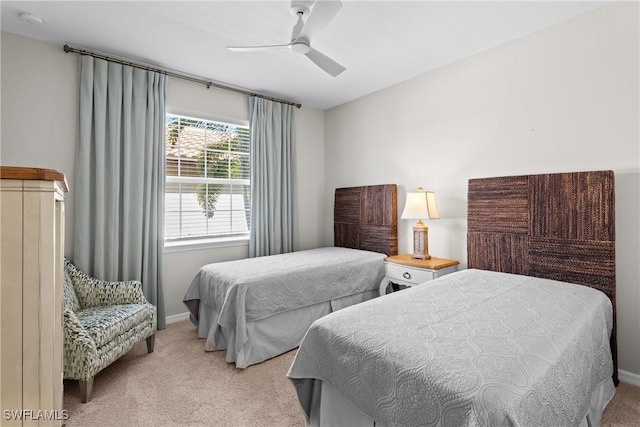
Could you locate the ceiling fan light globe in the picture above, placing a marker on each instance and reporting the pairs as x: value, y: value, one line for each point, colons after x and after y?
x: 300, y: 47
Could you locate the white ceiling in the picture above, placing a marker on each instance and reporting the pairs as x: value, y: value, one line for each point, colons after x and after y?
x: 381, y: 43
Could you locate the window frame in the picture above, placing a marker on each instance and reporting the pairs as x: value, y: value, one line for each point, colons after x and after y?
x: 205, y: 242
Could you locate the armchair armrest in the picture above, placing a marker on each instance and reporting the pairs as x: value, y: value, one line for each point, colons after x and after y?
x: 80, y: 352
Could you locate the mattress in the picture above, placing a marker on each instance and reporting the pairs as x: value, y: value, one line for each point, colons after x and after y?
x: 229, y: 301
x: 470, y: 348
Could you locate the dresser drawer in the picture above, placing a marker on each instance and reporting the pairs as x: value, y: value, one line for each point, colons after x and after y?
x: 408, y: 274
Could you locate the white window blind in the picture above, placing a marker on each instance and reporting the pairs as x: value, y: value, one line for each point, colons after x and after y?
x: 208, y: 188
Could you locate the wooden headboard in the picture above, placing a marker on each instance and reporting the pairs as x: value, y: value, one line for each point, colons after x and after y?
x: 556, y: 226
x: 366, y: 218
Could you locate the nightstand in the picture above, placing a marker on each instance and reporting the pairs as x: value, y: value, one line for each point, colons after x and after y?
x: 406, y: 271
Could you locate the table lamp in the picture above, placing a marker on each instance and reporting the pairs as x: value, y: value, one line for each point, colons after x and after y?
x: 420, y: 205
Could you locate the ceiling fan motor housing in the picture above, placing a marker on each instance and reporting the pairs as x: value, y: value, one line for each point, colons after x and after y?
x: 300, y: 46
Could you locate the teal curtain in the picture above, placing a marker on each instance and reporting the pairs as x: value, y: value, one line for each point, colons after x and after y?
x: 119, y: 176
x: 272, y: 177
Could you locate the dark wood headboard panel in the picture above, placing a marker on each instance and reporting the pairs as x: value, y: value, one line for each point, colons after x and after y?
x: 556, y: 226
x: 367, y: 218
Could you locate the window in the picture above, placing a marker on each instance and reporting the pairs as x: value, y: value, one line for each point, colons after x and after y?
x: 208, y: 189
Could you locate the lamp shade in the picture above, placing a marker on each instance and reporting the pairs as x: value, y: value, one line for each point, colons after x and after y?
x: 420, y: 205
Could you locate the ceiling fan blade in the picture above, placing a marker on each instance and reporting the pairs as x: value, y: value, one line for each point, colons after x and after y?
x: 321, y: 14
x: 255, y: 48
x: 324, y: 62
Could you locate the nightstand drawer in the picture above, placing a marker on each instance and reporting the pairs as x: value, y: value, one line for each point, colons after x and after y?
x: 406, y: 271
x: 408, y: 274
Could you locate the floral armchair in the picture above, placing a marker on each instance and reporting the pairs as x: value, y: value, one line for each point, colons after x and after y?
x: 102, y: 321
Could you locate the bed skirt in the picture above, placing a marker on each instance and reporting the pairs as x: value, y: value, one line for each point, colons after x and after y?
x: 271, y: 336
x: 330, y: 408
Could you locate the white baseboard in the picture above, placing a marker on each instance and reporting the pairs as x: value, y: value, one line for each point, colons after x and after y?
x: 176, y: 318
x: 629, y: 378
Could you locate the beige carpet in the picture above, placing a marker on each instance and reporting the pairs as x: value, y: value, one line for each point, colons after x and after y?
x: 181, y: 385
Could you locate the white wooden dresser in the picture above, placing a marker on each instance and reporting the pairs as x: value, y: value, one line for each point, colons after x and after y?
x: 31, y: 272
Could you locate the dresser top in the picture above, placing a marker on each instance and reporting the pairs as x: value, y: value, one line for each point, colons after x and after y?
x: 18, y: 172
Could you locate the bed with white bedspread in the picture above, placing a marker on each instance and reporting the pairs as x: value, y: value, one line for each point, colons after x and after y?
x: 240, y: 293
x: 470, y: 348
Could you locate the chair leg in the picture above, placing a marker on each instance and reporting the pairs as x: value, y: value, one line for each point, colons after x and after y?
x: 86, y: 387
x: 150, y: 343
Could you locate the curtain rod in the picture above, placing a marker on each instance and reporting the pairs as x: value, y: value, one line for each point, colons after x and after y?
x: 207, y: 83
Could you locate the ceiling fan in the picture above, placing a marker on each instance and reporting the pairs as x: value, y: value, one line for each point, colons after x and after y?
x: 310, y: 22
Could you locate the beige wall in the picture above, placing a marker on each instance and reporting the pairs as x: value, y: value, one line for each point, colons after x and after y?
x: 564, y: 99
x: 39, y: 120
x: 39, y: 109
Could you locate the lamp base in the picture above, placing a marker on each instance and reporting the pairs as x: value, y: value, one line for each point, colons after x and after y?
x: 421, y: 242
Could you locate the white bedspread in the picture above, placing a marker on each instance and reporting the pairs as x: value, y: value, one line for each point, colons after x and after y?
x: 470, y: 348
x: 255, y: 288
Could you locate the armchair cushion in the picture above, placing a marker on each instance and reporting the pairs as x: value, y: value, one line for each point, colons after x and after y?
x: 104, y: 324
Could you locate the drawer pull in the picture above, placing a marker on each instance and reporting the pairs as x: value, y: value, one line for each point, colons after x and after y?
x: 406, y: 275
